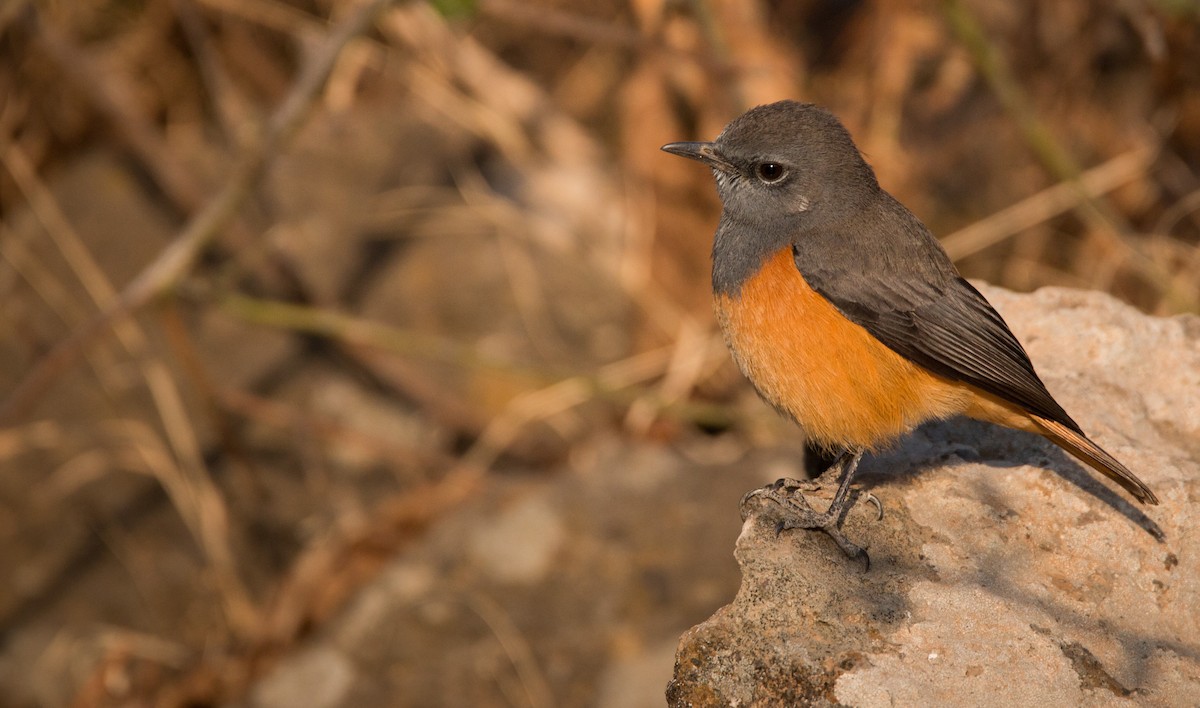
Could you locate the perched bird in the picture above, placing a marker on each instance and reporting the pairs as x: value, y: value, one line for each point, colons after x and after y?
x: 845, y: 312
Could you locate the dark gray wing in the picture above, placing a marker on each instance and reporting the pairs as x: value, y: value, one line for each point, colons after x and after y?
x: 914, y: 302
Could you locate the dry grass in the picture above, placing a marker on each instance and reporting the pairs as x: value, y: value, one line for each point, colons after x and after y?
x: 465, y: 221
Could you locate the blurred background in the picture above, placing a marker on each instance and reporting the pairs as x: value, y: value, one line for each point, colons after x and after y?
x: 362, y: 354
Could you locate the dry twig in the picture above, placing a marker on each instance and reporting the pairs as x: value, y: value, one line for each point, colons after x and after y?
x: 1048, y: 203
x: 1055, y: 158
x: 176, y: 260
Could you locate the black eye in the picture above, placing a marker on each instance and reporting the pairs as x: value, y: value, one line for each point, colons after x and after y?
x: 771, y: 171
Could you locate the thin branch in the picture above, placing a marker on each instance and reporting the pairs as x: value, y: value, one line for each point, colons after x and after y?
x: 610, y: 382
x: 1051, y: 154
x: 209, y: 516
x: 536, y: 690
x: 1048, y: 203
x: 275, y: 414
x: 176, y: 259
x: 274, y: 15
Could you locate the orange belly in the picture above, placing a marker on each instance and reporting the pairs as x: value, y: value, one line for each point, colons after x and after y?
x: 839, y: 383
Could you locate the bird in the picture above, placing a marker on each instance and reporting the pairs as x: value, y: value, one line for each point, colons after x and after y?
x: 847, y: 315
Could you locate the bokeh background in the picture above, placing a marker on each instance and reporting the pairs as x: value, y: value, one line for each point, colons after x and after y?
x: 290, y: 288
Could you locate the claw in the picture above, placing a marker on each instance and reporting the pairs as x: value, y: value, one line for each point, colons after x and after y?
x: 746, y: 498
x: 878, y: 505
x: 851, y: 550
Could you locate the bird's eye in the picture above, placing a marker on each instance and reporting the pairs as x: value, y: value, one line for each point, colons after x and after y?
x: 771, y: 171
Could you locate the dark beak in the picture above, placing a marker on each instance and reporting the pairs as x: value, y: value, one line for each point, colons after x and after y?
x: 700, y: 152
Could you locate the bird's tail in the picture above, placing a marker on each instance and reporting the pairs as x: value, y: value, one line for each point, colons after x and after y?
x: 1077, y: 444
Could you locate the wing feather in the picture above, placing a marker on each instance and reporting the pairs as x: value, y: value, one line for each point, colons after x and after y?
x: 918, y: 306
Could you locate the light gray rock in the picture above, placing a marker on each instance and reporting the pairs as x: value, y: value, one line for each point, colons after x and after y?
x: 520, y: 544
x: 1004, y: 573
x: 317, y: 678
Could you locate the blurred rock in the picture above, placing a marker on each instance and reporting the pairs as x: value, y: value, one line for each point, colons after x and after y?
x: 561, y: 590
x: 1003, y: 573
x: 520, y: 543
x: 318, y: 679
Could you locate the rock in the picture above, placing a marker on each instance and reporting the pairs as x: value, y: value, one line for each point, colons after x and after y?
x: 804, y: 614
x: 520, y: 544
x: 318, y: 678
x: 1003, y: 573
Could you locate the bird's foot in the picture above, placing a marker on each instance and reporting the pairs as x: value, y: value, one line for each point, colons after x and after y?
x: 796, y: 513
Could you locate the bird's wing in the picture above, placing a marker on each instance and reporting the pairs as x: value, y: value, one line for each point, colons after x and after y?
x: 935, y: 318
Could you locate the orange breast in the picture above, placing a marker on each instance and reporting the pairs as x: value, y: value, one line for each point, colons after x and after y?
x: 839, y: 383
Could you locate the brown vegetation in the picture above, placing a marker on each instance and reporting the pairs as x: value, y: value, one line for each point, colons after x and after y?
x: 284, y: 282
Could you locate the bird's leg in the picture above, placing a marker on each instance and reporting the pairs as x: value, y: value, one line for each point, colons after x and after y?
x: 797, y: 514
x: 843, y: 501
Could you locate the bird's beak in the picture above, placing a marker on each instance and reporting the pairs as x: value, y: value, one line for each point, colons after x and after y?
x: 701, y: 152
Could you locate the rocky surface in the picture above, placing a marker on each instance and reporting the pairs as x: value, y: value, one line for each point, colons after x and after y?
x: 1003, y: 573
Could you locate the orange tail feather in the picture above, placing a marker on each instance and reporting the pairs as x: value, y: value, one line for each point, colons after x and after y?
x: 1091, y: 453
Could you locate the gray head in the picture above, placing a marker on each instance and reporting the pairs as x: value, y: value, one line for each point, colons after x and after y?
x: 783, y: 170
x: 782, y: 160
